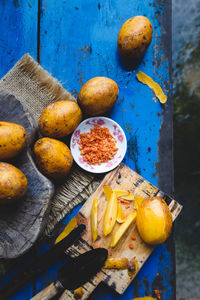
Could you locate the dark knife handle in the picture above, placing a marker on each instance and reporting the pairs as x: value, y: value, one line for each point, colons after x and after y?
x: 51, y: 291
x: 49, y: 258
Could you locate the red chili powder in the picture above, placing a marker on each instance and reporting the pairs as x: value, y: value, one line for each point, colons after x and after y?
x: 97, y: 146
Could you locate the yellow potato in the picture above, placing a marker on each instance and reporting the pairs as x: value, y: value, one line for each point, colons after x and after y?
x: 59, y: 119
x: 53, y: 157
x: 12, y: 139
x: 154, y: 221
x: 134, y: 38
x: 98, y: 95
x: 13, y: 183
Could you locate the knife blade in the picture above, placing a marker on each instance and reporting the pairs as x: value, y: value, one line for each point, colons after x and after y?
x: 49, y: 258
x: 74, y: 274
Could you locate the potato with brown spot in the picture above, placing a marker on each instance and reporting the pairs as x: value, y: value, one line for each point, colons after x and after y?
x: 59, y: 119
x: 13, y: 184
x: 13, y: 139
x: 53, y: 157
x: 98, y: 95
x: 134, y: 38
x: 154, y: 221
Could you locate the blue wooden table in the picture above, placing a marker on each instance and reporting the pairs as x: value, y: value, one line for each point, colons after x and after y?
x: 75, y: 41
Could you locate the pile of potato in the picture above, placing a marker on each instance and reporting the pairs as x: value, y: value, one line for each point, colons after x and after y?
x: 13, y: 183
x: 59, y: 119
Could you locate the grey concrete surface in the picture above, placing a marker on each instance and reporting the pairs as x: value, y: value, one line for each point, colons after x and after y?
x: 186, y: 88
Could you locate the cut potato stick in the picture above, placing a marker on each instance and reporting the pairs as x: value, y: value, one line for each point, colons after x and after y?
x: 94, y: 219
x: 107, y: 191
x: 120, y: 216
x: 110, y: 215
x: 122, y: 229
x: 120, y: 193
x: 145, y: 79
x: 112, y: 263
x: 129, y: 197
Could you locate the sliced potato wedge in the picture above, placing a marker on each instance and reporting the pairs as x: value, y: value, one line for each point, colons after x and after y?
x: 120, y: 215
x: 113, y: 263
x: 94, y: 219
x: 107, y: 191
x: 122, y: 229
x: 110, y: 215
x: 119, y: 193
x: 129, y: 197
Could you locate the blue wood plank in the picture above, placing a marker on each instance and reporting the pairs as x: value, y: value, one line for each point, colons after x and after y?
x: 18, y: 25
x: 78, y: 41
x: 18, y: 36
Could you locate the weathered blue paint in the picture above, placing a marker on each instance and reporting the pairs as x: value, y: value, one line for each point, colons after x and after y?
x: 77, y: 42
x: 18, y: 36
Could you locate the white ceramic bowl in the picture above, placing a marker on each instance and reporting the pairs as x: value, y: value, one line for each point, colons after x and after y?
x: 116, y: 131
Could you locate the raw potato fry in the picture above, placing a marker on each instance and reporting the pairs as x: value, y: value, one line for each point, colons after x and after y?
x: 112, y: 263
x: 94, y: 219
x: 78, y: 293
x: 120, y: 193
x: 145, y: 79
x: 129, y: 197
x: 122, y: 229
x: 70, y: 226
x: 110, y: 215
x: 120, y: 215
x: 107, y: 191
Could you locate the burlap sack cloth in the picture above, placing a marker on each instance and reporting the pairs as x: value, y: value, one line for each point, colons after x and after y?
x: 36, y: 88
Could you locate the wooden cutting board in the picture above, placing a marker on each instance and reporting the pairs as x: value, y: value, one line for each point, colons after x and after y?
x: 122, y: 178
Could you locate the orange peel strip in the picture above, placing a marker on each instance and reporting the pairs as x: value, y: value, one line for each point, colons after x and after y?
x: 145, y: 79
